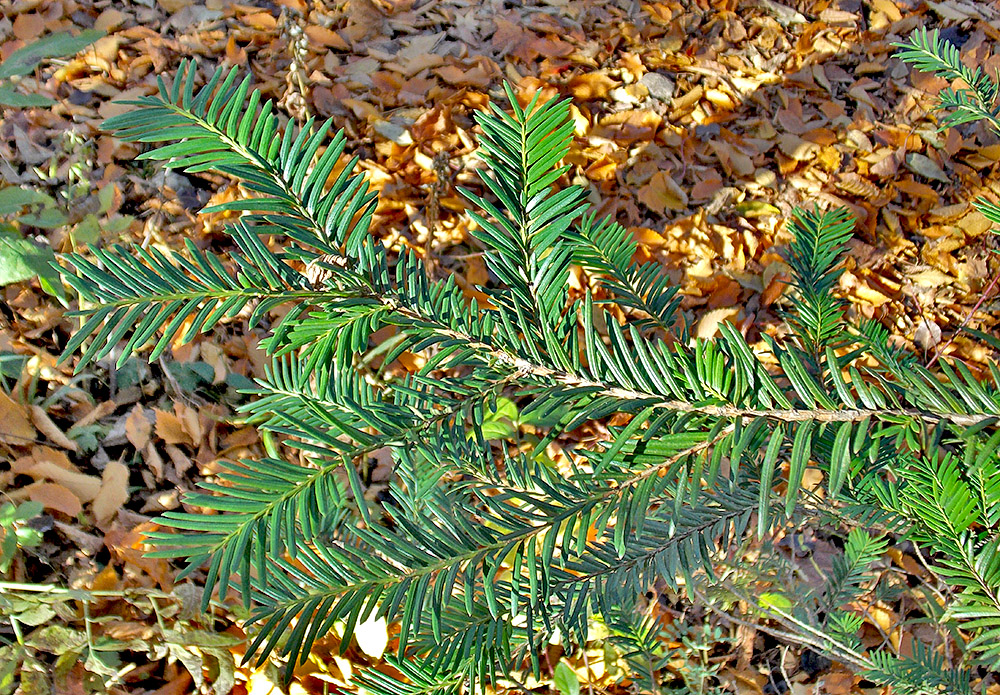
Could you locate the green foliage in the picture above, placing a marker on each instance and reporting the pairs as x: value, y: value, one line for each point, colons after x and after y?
x: 850, y: 573
x: 15, y: 533
x: 814, y: 258
x: 978, y: 100
x: 24, y: 60
x: 22, y: 259
x: 483, y: 551
x: 653, y: 649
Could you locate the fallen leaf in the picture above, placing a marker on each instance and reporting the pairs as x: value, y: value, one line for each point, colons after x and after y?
x: 326, y: 37
x: 29, y: 26
x: 172, y: 6
x: 838, y: 683
x: 83, y: 486
x: 56, y: 497
x: 170, y: 429
x: 926, y: 167
x: 927, y: 334
x: 709, y: 323
x: 138, y: 427
x: 372, y: 636
x: 662, y: 193
x: 15, y: 428
x: 50, y: 429
x: 795, y: 147
x: 113, y: 493
x: 590, y: 85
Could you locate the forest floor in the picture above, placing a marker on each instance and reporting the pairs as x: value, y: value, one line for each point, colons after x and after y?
x: 698, y: 125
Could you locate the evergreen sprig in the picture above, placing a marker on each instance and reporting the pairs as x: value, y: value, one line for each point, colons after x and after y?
x: 483, y: 553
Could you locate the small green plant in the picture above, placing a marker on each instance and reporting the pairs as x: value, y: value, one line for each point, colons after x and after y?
x: 977, y: 100
x: 484, y: 553
x: 21, y: 258
x: 15, y: 533
x: 658, y: 652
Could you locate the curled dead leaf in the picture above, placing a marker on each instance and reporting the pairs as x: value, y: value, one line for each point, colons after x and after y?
x: 50, y: 429
x: 113, y: 493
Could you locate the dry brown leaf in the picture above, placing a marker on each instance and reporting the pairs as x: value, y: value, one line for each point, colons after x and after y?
x: 870, y: 296
x: 704, y: 189
x: 15, y: 428
x: 838, y: 683
x: 889, y: 165
x: 29, y: 26
x: 153, y: 460
x: 927, y: 334
x: 628, y: 126
x: 113, y: 493
x: 975, y: 224
x: 83, y: 486
x: 926, y: 167
x: 918, y: 190
x: 662, y: 193
x: 56, y: 497
x: 326, y: 37
x: 172, y: 6
x: 109, y: 20
x: 648, y: 238
x: 857, y: 185
x: 795, y: 147
x: 591, y: 85
x: 50, y: 429
x: 709, y: 324
x: 138, y: 427
x: 262, y: 21
x: 475, y: 271
x: 170, y: 429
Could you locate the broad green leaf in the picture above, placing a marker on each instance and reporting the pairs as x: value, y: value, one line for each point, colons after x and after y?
x: 27, y: 510
x: 500, y: 424
x: 11, y: 97
x: 565, y: 679
x: 756, y: 208
x: 24, y: 60
x: 13, y: 199
x: 46, y: 218
x: 21, y: 259
x: 769, y: 599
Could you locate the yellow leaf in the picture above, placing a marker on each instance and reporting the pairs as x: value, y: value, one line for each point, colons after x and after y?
x: 711, y: 320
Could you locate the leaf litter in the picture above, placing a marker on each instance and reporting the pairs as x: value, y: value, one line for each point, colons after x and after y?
x: 698, y: 124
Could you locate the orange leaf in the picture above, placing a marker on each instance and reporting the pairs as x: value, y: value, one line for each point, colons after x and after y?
x: 170, y: 429
x: 662, y: 193
x: 15, y: 428
x: 138, y: 427
x: 55, y: 496
x: 50, y: 429
x: 591, y: 85
x: 326, y: 37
